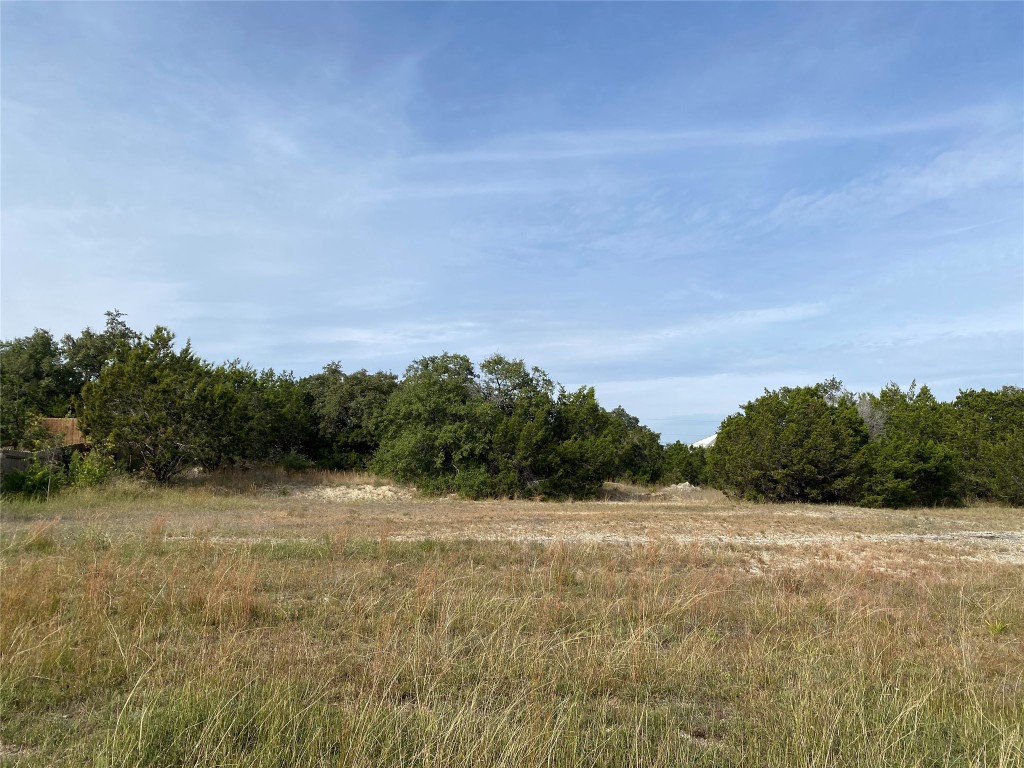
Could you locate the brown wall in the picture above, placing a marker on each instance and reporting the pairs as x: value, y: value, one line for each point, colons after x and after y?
x: 67, y: 429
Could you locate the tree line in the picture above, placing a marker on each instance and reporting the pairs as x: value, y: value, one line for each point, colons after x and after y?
x: 899, y: 448
x: 498, y: 430
x: 155, y: 407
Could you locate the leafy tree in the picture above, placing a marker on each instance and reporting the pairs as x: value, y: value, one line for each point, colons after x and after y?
x: 988, y: 435
x: 791, y: 444
x: 507, y: 383
x: 261, y: 416
x: 282, y: 422
x: 154, y: 408
x: 435, y: 429
x: 586, y: 451
x: 33, y: 382
x: 1003, y: 480
x: 684, y: 464
x: 39, y: 377
x: 640, y: 453
x: 89, y: 353
x: 449, y: 429
x: 345, y: 409
x: 520, y: 409
x: 908, y: 461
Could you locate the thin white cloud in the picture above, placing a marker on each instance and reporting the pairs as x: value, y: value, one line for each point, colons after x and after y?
x: 592, y: 144
x: 400, y: 337
x: 954, y: 172
x: 605, y: 344
x: 396, y: 189
x: 264, y: 138
x: 994, y: 321
x: 345, y: 213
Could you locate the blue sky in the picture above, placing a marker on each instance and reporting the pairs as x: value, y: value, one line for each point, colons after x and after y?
x: 680, y: 204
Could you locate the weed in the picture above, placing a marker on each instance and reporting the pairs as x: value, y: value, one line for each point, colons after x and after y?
x: 997, y: 626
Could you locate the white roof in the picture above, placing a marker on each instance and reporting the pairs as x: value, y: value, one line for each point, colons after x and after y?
x: 707, y: 441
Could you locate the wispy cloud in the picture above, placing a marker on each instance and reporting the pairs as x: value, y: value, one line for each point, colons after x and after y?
x: 604, y: 344
x: 781, y: 199
x: 264, y: 138
x: 894, y: 191
x: 399, y: 337
x: 994, y: 321
x: 549, y: 146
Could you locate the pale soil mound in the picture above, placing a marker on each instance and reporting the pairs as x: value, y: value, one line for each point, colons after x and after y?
x: 681, y: 493
x: 686, y: 493
x: 358, y: 493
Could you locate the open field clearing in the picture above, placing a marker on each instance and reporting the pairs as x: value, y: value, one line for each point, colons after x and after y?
x: 345, y: 622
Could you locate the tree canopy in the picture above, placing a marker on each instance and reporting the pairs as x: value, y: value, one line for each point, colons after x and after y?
x: 502, y: 429
x: 792, y: 444
x: 155, y: 408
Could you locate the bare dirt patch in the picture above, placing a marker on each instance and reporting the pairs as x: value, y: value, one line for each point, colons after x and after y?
x: 357, y: 493
x: 765, y: 536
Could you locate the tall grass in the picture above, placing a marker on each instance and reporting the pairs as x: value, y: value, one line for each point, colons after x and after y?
x: 143, y: 651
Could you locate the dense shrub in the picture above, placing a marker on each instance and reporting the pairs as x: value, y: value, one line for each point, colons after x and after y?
x: 684, y: 464
x: 793, y: 444
x: 448, y: 429
x: 89, y: 469
x: 988, y: 435
x: 895, y: 449
x: 39, y: 479
x: 909, y: 460
x: 900, y: 472
x: 155, y: 408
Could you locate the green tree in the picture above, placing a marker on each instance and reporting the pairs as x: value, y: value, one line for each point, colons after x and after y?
x: 154, y: 408
x: 988, y: 436
x: 283, y: 422
x: 908, y: 461
x: 90, y: 352
x: 260, y: 416
x: 519, y: 407
x: 684, y: 464
x: 586, y: 451
x: 791, y: 444
x: 449, y: 429
x: 40, y: 377
x: 34, y: 382
x: 640, y: 453
x: 435, y: 430
x: 345, y: 409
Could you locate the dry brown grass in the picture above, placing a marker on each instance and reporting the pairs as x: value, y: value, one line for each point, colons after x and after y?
x: 204, y: 625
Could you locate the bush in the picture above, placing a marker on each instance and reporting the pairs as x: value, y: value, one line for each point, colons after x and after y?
x: 684, y: 464
x: 155, y: 408
x: 909, y: 461
x: 988, y: 434
x: 295, y: 462
x: 1005, y: 462
x: 89, y: 469
x: 793, y: 444
x: 897, y: 473
x: 38, y: 480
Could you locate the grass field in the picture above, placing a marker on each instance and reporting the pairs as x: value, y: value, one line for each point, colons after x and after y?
x: 255, y: 621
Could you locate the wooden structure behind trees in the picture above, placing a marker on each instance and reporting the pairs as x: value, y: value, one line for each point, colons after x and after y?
x: 64, y: 429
